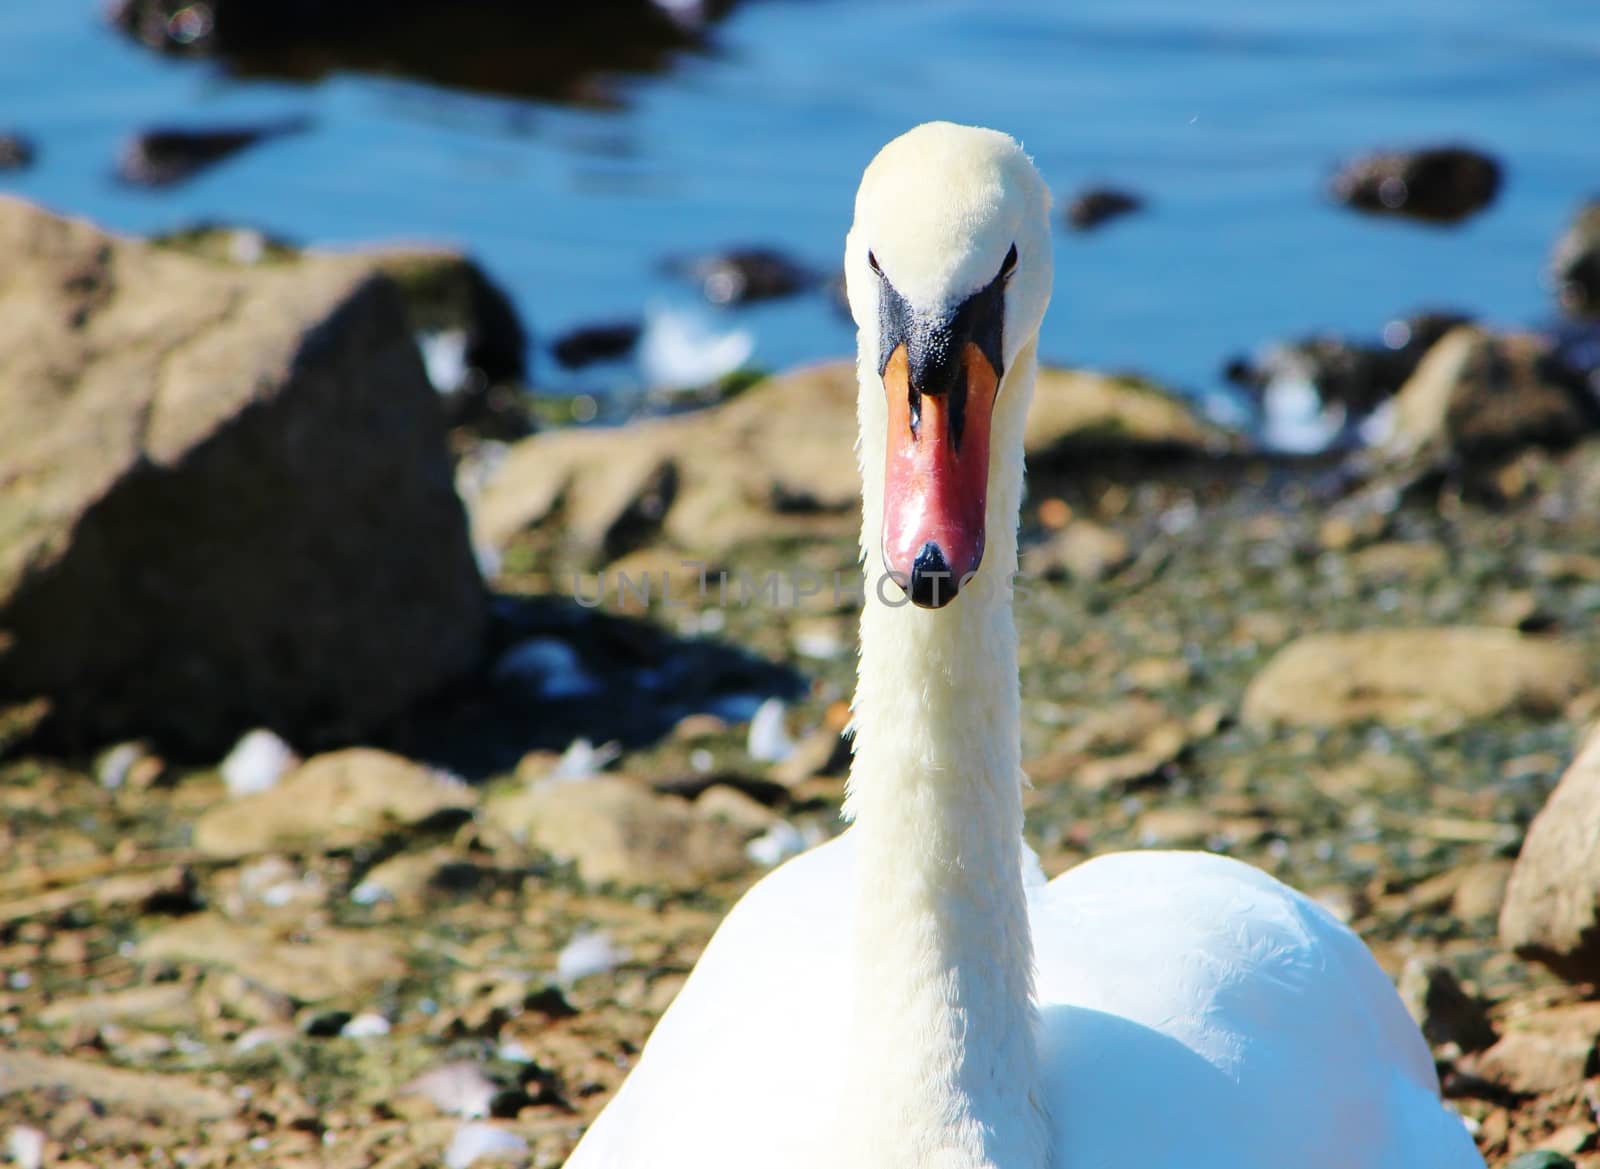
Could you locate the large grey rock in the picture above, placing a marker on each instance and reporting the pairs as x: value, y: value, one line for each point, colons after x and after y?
x: 1552, y: 906
x: 227, y: 499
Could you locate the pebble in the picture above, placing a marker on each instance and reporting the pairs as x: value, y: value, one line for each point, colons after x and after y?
x: 25, y: 1147
x: 458, y: 1088
x: 477, y: 1141
x: 258, y: 760
x: 366, y: 1025
x: 589, y: 952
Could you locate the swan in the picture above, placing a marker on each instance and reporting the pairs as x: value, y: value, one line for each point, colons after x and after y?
x: 912, y: 994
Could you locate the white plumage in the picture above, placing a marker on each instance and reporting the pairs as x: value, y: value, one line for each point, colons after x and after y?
x: 914, y: 994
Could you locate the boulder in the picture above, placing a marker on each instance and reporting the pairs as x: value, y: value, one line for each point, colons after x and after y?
x: 1575, y: 263
x: 333, y: 801
x: 1552, y: 906
x: 1476, y: 395
x: 1435, y: 677
x: 764, y: 461
x: 228, y: 499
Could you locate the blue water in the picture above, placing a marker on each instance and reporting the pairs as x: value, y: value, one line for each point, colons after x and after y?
x: 1227, y: 116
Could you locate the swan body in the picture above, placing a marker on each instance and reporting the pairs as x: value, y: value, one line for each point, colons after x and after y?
x: 914, y: 995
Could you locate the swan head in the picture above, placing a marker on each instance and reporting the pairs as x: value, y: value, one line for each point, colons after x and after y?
x: 948, y: 269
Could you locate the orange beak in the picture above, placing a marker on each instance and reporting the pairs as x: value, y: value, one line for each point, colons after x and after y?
x: 936, y: 477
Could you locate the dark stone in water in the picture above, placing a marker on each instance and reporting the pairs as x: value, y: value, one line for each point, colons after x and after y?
x: 1575, y: 263
x: 588, y: 344
x: 1098, y: 205
x: 1439, y: 185
x: 16, y: 152
x: 744, y: 275
x: 162, y: 157
x: 501, y: 46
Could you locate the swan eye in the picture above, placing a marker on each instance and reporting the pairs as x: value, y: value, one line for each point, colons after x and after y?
x: 1010, y: 264
x: 872, y: 262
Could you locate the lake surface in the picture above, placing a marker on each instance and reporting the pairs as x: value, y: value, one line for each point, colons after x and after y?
x: 1227, y: 117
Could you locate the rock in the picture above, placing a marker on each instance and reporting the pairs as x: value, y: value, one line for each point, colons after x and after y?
x: 327, y: 963
x: 589, y: 344
x: 725, y: 802
x: 161, y: 1006
x: 1443, y: 1010
x: 411, y: 879
x: 163, y: 157
x: 1443, y: 184
x: 1082, y: 550
x: 767, y: 460
x: 617, y: 830
x: 1079, y: 411
x: 203, y: 531
x: 1548, y: 1051
x: 1476, y: 395
x: 745, y: 275
x: 1575, y: 263
x: 1090, y: 208
x: 114, y: 1090
x: 458, y: 1088
x: 258, y: 760
x: 1552, y: 905
x: 333, y: 801
x: 479, y: 1142
x: 1434, y: 677
x: 495, y: 45
x: 16, y: 152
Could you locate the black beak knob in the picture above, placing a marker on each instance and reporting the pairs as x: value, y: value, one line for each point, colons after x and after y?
x: 933, y: 585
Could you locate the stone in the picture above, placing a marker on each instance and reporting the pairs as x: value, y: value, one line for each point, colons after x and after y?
x: 1432, y: 677
x: 1444, y: 1011
x: 16, y: 151
x: 1544, y: 1052
x: 1080, y: 411
x: 1441, y: 184
x: 169, y: 155
x: 116, y: 1090
x: 228, y: 501
x: 616, y: 830
x: 1082, y: 550
x: 746, y: 275
x: 1097, y: 205
x: 327, y: 963
x: 333, y: 801
x: 162, y: 1006
x: 497, y: 46
x: 1575, y: 263
x: 1552, y: 903
x: 1477, y: 396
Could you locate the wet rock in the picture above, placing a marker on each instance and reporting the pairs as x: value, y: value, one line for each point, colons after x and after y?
x: 1435, y: 677
x: 202, y: 533
x: 617, y: 830
x: 306, y: 967
x: 1443, y: 1010
x: 163, y: 157
x: 746, y: 275
x: 1478, y: 396
x: 1552, y: 905
x: 1443, y: 184
x: 496, y: 45
x: 1575, y: 263
x: 589, y: 344
x: 16, y: 152
x: 1097, y: 205
x: 334, y: 801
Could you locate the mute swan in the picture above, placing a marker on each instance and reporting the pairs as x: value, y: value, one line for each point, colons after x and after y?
x: 912, y: 995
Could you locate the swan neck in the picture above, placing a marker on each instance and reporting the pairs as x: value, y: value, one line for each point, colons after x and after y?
x: 943, y: 1070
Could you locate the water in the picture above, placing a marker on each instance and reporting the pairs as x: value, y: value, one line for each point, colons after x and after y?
x: 1228, y: 117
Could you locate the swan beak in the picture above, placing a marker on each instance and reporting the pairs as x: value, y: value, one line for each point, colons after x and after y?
x: 937, y: 478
